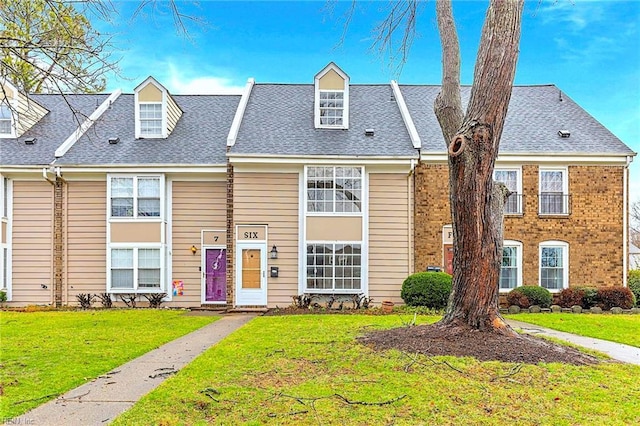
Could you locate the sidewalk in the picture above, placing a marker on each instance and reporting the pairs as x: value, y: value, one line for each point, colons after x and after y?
x: 617, y: 351
x: 100, y: 401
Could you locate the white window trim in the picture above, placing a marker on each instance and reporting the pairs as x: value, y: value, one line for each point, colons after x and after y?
x: 334, y: 290
x: 518, y: 171
x: 135, y: 216
x: 518, y: 246
x: 135, y: 289
x: 8, y: 221
x: 163, y: 126
x: 12, y: 108
x: 565, y: 259
x: 565, y: 189
x: 333, y: 213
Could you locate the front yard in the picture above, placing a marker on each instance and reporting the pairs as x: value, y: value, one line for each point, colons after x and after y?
x: 616, y: 328
x: 310, y: 370
x: 44, y: 354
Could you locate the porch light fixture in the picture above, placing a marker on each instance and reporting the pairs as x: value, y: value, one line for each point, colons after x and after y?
x: 194, y: 250
x: 274, y: 252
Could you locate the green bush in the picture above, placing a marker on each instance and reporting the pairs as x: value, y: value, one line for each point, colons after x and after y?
x: 609, y: 297
x: 430, y: 289
x: 590, y: 298
x: 633, y: 280
x: 3, y: 296
x: 535, y: 295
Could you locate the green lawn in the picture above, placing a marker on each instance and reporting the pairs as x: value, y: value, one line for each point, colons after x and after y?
x: 616, y: 328
x: 304, y: 369
x: 44, y: 354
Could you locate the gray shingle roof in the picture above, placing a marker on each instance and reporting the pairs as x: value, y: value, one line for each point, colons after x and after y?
x: 199, y: 137
x: 279, y: 120
x: 535, y: 116
x: 53, y: 129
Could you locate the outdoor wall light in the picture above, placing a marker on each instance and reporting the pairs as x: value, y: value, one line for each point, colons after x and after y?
x: 194, y: 250
x: 274, y: 252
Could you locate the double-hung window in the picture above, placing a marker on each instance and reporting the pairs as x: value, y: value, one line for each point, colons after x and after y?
x: 135, y: 196
x: 6, y: 125
x: 511, y: 269
x: 331, y: 108
x: 334, y: 189
x: 554, y: 264
x: 554, y: 192
x: 150, y: 119
x: 511, y: 178
x: 135, y: 269
x: 334, y: 267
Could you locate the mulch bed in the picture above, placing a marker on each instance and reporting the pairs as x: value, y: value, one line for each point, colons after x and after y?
x: 482, y: 345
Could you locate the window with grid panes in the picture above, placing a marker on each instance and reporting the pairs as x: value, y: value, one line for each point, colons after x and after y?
x: 5, y: 119
x: 331, y: 108
x: 334, y: 189
x: 136, y: 196
x: 553, y: 197
x: 151, y: 119
x: 511, y: 179
x: 333, y: 267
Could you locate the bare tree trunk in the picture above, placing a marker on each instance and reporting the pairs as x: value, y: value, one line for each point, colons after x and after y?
x: 477, y: 202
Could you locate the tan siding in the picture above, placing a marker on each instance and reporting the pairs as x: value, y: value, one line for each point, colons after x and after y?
x: 32, y: 244
x: 173, y: 114
x: 86, y: 239
x: 150, y: 93
x: 29, y: 113
x: 272, y: 199
x: 140, y: 232
x: 334, y: 228
x: 331, y: 81
x: 389, y: 238
x: 196, y: 206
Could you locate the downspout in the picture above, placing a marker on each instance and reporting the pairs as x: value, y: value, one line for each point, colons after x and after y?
x: 58, y: 232
x: 410, y: 214
x: 625, y: 221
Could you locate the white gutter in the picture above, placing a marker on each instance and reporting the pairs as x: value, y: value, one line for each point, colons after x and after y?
x: 237, y: 119
x: 406, y: 117
x: 67, y: 144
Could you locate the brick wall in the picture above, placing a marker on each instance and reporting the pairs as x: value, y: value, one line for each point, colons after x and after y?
x: 593, y: 230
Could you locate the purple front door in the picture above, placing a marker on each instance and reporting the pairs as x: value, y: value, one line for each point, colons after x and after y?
x: 215, y: 275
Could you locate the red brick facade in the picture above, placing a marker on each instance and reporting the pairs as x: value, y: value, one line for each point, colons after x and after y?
x: 593, y: 229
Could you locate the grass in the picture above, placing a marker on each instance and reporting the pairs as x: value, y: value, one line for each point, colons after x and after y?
x: 44, y: 354
x: 289, y: 369
x: 616, y: 328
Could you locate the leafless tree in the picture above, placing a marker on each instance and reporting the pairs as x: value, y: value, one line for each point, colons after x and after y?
x: 634, y: 222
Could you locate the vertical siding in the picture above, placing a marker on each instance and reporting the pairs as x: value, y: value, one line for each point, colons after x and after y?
x: 32, y: 244
x: 272, y: 199
x: 196, y: 206
x: 389, y: 238
x: 86, y: 228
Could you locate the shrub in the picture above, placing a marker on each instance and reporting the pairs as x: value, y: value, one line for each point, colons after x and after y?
x: 536, y: 295
x: 633, y: 280
x: 517, y: 298
x: 609, y: 297
x: 569, y: 297
x: 590, y: 298
x: 3, y: 296
x: 430, y: 289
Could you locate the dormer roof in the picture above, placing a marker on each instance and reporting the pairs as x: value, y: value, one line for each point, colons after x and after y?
x: 156, y: 112
x: 19, y: 111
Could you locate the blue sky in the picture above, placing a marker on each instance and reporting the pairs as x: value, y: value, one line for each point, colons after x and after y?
x: 589, y: 49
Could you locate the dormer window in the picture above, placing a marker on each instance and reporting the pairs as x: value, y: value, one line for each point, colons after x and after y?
x: 331, y: 98
x: 150, y: 119
x: 331, y: 108
x: 6, y: 127
x: 156, y: 113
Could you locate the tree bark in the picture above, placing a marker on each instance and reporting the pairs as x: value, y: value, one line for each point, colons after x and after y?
x: 477, y: 202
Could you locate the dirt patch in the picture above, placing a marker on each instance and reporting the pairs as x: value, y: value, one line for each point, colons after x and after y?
x: 485, y: 346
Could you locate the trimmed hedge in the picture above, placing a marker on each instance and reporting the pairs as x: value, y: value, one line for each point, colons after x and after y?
x: 587, y: 297
x: 633, y: 280
x: 430, y: 289
x: 533, y: 295
x: 610, y: 297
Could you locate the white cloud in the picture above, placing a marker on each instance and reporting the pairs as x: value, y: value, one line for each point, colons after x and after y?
x: 203, y: 86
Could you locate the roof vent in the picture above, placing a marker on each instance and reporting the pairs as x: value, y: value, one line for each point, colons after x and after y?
x: 113, y: 141
x: 369, y: 132
x: 564, y: 133
x: 30, y: 141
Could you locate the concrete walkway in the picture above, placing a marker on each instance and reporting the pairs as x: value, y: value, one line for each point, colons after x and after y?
x: 617, y: 351
x: 100, y: 401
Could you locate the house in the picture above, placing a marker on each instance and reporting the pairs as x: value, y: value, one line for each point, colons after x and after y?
x: 328, y: 188
x: 634, y: 256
